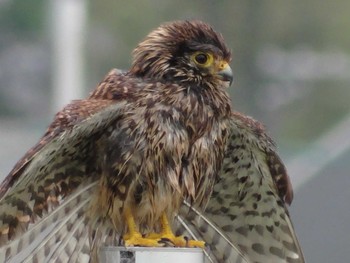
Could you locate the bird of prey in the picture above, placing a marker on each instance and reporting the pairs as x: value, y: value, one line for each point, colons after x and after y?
x: 123, y: 160
x: 61, y: 188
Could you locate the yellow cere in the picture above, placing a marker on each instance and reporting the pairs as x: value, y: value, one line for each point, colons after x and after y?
x: 222, y: 65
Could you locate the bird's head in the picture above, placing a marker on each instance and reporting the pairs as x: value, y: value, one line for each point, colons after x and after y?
x: 189, y: 52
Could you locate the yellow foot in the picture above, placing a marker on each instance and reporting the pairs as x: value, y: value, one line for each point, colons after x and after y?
x: 136, y: 239
x: 166, y: 235
x: 177, y: 241
x: 196, y: 243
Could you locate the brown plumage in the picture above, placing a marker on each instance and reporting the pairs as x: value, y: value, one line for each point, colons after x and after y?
x: 144, y: 140
x: 148, y: 139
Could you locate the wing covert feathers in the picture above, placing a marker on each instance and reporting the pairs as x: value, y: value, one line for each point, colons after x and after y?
x: 247, y: 203
x: 56, y: 170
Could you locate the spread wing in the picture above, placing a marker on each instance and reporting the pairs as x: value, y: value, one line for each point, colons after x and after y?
x: 55, y: 179
x: 71, y: 116
x: 248, y: 207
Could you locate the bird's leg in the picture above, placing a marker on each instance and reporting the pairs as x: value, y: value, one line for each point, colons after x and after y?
x: 167, y: 234
x: 133, y: 237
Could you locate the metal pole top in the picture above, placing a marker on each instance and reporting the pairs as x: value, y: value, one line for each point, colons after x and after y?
x: 151, y: 255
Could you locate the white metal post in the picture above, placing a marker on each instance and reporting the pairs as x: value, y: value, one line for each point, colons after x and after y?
x: 68, y: 32
x: 151, y: 255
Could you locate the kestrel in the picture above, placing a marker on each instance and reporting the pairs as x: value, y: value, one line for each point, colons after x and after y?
x: 117, y: 165
x: 148, y: 145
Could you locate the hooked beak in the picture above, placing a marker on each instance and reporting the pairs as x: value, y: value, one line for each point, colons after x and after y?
x: 225, y: 72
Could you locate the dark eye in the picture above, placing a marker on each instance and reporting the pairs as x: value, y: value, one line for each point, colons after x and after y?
x: 201, y: 58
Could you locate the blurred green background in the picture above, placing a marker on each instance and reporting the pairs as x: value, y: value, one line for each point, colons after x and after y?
x: 291, y: 61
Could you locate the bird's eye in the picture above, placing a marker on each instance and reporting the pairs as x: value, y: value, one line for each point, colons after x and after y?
x: 203, y: 59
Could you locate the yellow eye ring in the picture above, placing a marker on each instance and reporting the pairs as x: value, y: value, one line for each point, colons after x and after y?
x: 203, y: 59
